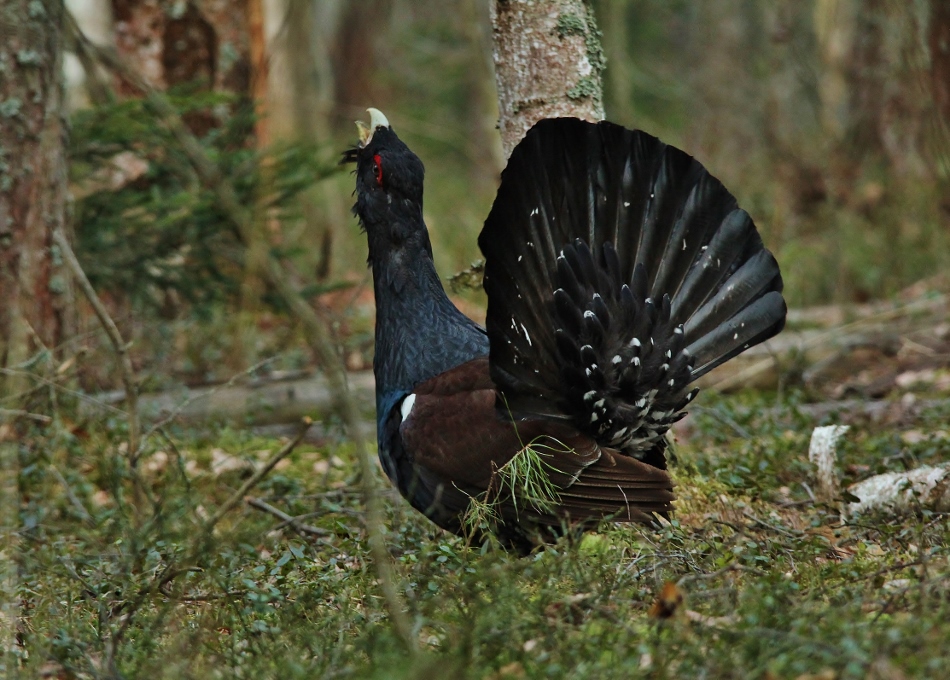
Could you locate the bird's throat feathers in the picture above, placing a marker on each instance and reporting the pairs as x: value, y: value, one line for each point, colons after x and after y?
x: 419, y: 332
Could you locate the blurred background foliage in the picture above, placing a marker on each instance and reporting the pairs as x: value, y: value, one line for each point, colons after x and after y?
x: 829, y: 119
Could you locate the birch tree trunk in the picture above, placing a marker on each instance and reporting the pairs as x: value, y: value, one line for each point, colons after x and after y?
x: 548, y: 64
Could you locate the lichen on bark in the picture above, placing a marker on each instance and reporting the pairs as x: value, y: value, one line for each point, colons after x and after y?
x: 548, y: 64
x: 36, y: 309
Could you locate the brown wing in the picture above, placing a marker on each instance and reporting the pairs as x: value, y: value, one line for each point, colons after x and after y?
x: 459, y: 439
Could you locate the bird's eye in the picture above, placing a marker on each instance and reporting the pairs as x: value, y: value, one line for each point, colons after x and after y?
x: 378, y: 169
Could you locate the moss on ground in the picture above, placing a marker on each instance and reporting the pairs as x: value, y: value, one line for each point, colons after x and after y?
x: 115, y: 580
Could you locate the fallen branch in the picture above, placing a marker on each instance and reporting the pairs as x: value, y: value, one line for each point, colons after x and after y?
x: 923, y: 487
x: 174, y: 412
x: 287, y: 520
x: 259, y: 402
x: 760, y: 365
x: 899, y: 492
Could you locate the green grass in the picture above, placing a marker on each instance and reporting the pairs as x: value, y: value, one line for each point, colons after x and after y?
x: 115, y: 580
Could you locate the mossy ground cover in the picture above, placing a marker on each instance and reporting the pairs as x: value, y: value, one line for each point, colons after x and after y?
x: 118, y: 578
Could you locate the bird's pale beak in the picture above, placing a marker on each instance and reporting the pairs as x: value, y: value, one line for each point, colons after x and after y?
x: 376, y: 119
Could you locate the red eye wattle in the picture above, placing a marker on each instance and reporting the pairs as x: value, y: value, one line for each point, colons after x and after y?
x: 378, y: 169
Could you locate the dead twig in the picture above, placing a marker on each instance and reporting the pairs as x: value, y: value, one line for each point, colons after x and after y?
x: 20, y: 413
x: 772, y: 527
x: 287, y: 520
x: 112, y: 331
x: 62, y: 388
x: 73, y: 498
x: 253, y: 480
x: 732, y: 566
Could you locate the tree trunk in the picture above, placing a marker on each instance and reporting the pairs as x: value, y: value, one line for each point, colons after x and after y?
x: 548, y: 64
x: 194, y: 42
x: 34, y: 290
x: 939, y: 42
x: 354, y: 57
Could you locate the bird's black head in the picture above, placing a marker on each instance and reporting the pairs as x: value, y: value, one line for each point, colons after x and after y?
x: 389, y: 180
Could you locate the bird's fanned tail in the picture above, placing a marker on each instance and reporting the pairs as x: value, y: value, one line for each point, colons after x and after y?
x: 618, y: 270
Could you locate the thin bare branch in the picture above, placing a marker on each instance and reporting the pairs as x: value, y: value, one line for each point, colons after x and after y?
x: 20, y: 413
x: 253, y: 480
x: 288, y: 520
x: 73, y: 498
x: 112, y: 331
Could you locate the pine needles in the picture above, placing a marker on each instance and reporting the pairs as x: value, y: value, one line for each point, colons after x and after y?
x: 525, y: 480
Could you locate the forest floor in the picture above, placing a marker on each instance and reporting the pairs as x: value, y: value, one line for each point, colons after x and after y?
x: 133, y: 571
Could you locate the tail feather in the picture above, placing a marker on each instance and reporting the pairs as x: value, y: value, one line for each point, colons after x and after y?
x: 618, y: 270
x: 713, y: 263
x: 750, y: 326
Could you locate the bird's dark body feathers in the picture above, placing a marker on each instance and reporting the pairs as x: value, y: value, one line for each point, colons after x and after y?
x: 617, y: 270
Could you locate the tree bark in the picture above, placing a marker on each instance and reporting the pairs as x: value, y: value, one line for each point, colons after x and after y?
x: 204, y: 42
x: 939, y: 42
x: 259, y: 71
x: 35, y: 300
x: 34, y: 290
x: 548, y: 64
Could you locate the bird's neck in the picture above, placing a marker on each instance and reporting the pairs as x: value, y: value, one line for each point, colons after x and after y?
x: 419, y: 332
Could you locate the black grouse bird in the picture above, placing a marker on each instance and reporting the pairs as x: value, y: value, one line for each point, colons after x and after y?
x: 618, y: 271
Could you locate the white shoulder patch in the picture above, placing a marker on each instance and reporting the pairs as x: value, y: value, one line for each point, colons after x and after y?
x: 406, y: 407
